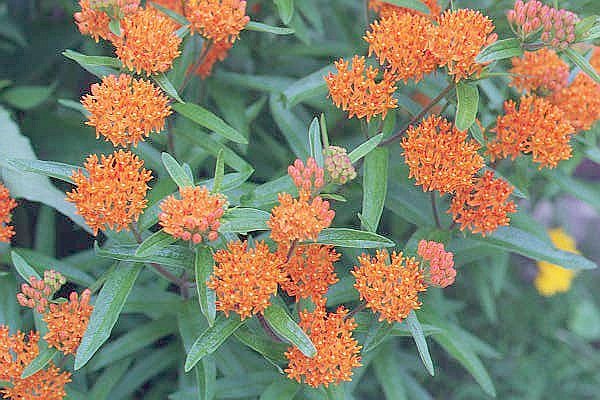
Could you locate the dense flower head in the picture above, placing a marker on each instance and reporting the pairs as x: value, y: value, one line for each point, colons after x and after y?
x: 7, y: 204
x: 337, y: 351
x: 195, y: 217
x: 92, y: 22
x: 217, y: 20
x: 38, y: 292
x: 356, y: 91
x: 68, y: 321
x: 216, y: 52
x: 125, y: 110
x: 441, y: 262
x: 392, y: 290
x: 46, y: 384
x: 535, y: 127
x: 439, y: 156
x: 458, y: 38
x: 310, y: 272
x: 338, y: 166
x: 308, y: 177
x: 148, y: 42
x: 541, y: 70
x: 299, y: 219
x: 485, y: 206
x: 245, y: 279
x: 552, y: 279
x: 111, y: 191
x: 386, y: 9
x: 400, y: 43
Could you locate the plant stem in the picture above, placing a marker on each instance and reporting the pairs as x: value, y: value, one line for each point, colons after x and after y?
x: 434, y: 208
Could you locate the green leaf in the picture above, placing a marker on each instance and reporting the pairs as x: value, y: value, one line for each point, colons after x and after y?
x: 378, y: 332
x: 23, y: 268
x: 344, y: 237
x: 582, y: 63
x: 583, y: 27
x: 27, y: 97
x: 467, y: 96
x: 284, y: 326
x: 74, y: 105
x: 9, y: 308
x: 375, y: 177
x: 210, y: 121
x: 271, y: 350
x: 310, y: 86
x: 154, y: 243
x: 281, y: 389
x: 285, y: 9
x: 45, y: 355
x: 203, y: 266
x: 387, y: 370
x: 107, y: 308
x: 170, y: 13
x: 97, y: 65
x: 414, y: 4
x: 219, y: 172
x: 260, y: 27
x: 41, y: 262
x: 292, y: 128
x: 244, y: 220
x: 176, y: 171
x: 166, y: 85
x: 314, y: 140
x: 172, y: 255
x: 108, y: 380
x: 577, y: 187
x: 365, y: 148
x: 417, y: 333
x: 500, y: 50
x: 46, y: 168
x: 211, y: 339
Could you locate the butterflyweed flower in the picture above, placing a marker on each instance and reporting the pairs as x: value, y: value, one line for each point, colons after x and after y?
x: 148, y: 42
x: 356, y: 91
x: 483, y: 207
x: 68, y: 321
x: 310, y: 272
x: 458, y: 38
x: 386, y: 9
x: 92, y: 22
x: 125, y: 110
x: 441, y: 263
x: 308, y: 178
x: 540, y: 71
x: 400, y: 43
x: 338, y: 166
x: 337, y: 351
x: 7, y: 204
x: 439, y: 156
x: 245, y: 279
x: 195, y: 217
x: 111, y: 191
x: 536, y: 126
x: 38, y: 292
x: 392, y: 290
x: 552, y: 279
x: 217, y: 20
x: 216, y: 52
x: 15, y: 354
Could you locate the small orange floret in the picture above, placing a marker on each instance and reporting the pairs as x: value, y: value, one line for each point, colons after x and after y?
x: 310, y: 272
x: 195, y: 217
x: 299, y: 219
x: 245, y: 279
x: 337, y: 351
x: 542, y: 70
x: 148, y: 42
x: 46, y: 384
x: 217, y: 52
x: 400, y: 42
x: 580, y: 101
x: 68, y: 321
x: 125, y: 110
x: 439, y: 156
x: 441, y: 263
x: 217, y: 20
x: 458, y: 38
x: 92, y: 22
x: 356, y: 91
x: 484, y: 207
x: 308, y: 178
x: 7, y: 204
x: 386, y: 9
x: 111, y: 191
x: 391, y: 290
x: 537, y: 127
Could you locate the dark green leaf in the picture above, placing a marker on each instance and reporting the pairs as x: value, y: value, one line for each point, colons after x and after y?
x: 375, y: 177
x: 154, y: 243
x: 97, y: 65
x: 45, y: 355
x: 172, y: 255
x: 365, y: 148
x: 387, y: 370
x: 27, y: 97
x: 467, y: 96
x: 500, y: 50
x: 210, y: 121
x: 310, y: 86
x: 23, y: 268
x: 344, y: 237
x: 260, y: 27
x: 417, y: 333
x: 378, y: 332
x: 244, y: 220
x: 176, y: 171
x: 273, y: 351
x: 206, y: 296
x: 284, y: 325
x: 281, y: 389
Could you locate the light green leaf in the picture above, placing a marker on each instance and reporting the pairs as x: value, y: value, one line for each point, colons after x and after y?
x: 154, y: 243
x: 41, y: 262
x: 203, y: 268
x: 260, y: 27
x: 285, y: 9
x: 582, y: 63
x: 27, y: 97
x: 166, y: 85
x: 500, y: 50
x: 208, y: 120
x: 244, y: 220
x: 365, y: 148
x: 219, y: 172
x: 45, y: 355
x: 375, y: 177
x: 23, y: 268
x: 310, y: 86
x: 292, y: 128
x: 344, y: 237
x: 417, y: 333
x: 97, y: 65
x: 467, y: 96
x: 284, y: 326
x: 314, y: 140
x: 176, y: 171
x: 172, y: 255
x: 51, y: 169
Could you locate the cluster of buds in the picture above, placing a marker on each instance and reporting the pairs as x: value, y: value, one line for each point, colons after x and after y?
x: 309, y: 177
x: 196, y: 226
x: 116, y: 9
x: 441, y: 263
x: 38, y: 293
x: 338, y: 165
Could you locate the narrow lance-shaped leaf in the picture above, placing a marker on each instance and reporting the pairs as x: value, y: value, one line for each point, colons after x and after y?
x: 310, y: 86
x: 176, y: 171
x: 219, y: 171
x: 203, y: 268
x: 166, y: 85
x: 417, y: 333
x: 23, y: 268
x: 582, y: 63
x: 344, y: 237
x: 45, y: 355
x: 208, y: 120
x: 154, y: 243
x: 500, y: 50
x: 365, y: 148
x: 260, y: 27
x: 284, y: 325
x: 314, y: 140
x: 51, y: 169
x: 375, y: 177
x: 285, y: 9
x: 468, y: 101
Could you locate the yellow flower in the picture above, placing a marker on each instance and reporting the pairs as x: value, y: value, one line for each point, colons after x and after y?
x: 552, y: 279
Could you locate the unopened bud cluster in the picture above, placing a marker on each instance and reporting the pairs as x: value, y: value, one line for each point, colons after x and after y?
x: 338, y: 165
x: 37, y: 294
x: 441, y: 263
x: 307, y: 177
x: 115, y: 8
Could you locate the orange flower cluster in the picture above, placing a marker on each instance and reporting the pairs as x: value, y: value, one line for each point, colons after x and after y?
x: 308, y: 178
x: 441, y: 263
x: 484, y: 207
x: 125, y: 110
x: 15, y: 354
x: 356, y: 91
x: 542, y: 71
x: 391, y: 290
x: 217, y: 20
x: 195, y: 217
x: 245, y: 279
x: 310, y: 272
x: 537, y: 127
x: 68, y: 321
x: 37, y: 294
x: 386, y: 9
x: 7, y: 204
x: 92, y: 22
x: 216, y: 52
x: 458, y: 38
x: 401, y: 40
x: 148, y: 42
x: 439, y: 156
x: 111, y: 191
x: 337, y: 351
